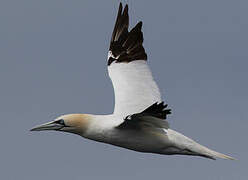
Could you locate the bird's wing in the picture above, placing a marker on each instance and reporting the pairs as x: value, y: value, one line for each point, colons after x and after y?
x: 154, y: 116
x: 134, y: 86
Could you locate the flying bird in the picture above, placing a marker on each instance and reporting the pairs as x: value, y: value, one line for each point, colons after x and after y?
x: 139, y: 119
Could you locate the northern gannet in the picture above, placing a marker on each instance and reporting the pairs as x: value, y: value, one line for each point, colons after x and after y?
x: 139, y: 118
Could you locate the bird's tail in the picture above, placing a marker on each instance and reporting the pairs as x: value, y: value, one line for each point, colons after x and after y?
x: 190, y: 147
x: 206, y: 152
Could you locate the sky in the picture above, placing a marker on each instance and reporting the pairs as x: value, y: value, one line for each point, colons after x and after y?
x: 53, y: 56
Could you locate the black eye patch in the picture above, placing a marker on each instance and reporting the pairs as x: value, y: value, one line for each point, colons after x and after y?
x: 60, y: 121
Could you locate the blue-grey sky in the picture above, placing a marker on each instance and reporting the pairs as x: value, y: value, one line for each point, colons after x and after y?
x: 53, y: 61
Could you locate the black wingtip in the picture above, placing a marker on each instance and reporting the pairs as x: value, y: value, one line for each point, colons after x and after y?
x: 158, y: 110
x: 120, y: 7
x: 119, y: 11
x: 139, y: 25
x: 126, y: 46
x: 125, y: 9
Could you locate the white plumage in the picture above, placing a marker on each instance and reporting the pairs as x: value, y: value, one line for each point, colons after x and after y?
x: 134, y: 87
x: 139, y: 119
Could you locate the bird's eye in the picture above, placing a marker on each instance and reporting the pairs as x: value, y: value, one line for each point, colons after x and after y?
x: 60, y: 121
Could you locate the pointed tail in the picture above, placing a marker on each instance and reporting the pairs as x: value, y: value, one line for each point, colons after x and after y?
x: 190, y: 147
x: 204, y: 151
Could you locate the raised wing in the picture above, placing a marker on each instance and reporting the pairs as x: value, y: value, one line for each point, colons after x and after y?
x: 132, y: 80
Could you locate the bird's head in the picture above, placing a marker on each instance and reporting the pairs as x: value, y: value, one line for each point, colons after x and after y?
x: 73, y: 123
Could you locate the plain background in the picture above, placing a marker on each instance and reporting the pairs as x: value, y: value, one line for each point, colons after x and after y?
x: 53, y: 61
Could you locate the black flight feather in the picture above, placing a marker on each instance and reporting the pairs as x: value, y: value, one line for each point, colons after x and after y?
x: 153, y: 116
x: 126, y: 46
x: 157, y: 110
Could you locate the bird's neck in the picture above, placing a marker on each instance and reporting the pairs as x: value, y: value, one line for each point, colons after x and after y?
x: 99, y: 125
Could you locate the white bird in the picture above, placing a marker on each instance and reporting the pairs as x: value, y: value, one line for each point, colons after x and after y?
x: 139, y: 119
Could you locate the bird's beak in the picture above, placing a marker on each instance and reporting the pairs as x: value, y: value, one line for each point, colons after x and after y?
x: 48, y: 126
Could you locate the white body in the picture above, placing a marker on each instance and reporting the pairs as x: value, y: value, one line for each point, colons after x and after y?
x: 135, y: 90
x: 103, y: 129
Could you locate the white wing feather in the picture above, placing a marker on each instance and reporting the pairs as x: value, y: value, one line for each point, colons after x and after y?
x: 134, y: 87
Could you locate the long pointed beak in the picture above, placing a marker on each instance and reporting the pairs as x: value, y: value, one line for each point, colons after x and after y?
x: 47, y: 126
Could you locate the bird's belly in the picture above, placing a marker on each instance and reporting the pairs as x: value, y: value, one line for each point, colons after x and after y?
x: 135, y: 140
